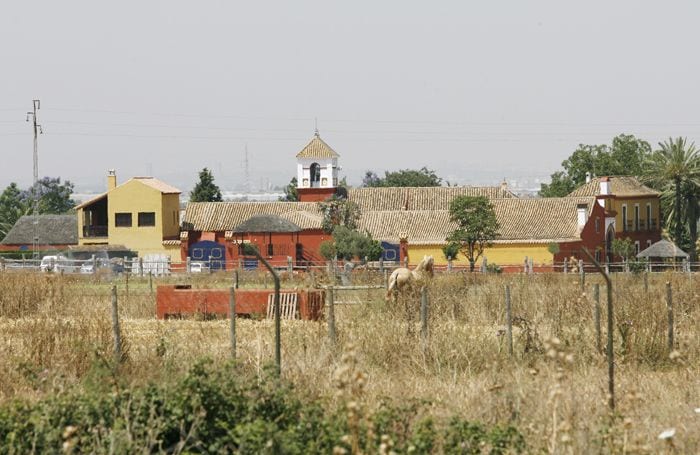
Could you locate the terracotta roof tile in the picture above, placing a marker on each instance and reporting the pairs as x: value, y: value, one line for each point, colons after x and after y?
x: 225, y: 216
x: 620, y: 186
x: 317, y: 148
x: 157, y: 185
x: 419, y: 198
x: 532, y: 220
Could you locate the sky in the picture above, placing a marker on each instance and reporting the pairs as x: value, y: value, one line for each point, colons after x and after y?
x: 478, y: 91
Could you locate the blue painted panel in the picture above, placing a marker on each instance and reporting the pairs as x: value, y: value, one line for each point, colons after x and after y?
x: 250, y: 263
x: 391, y: 251
x: 207, y: 250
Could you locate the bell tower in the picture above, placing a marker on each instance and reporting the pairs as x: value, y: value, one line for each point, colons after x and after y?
x: 317, y: 171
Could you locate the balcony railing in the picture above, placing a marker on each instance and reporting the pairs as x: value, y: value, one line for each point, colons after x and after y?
x: 94, y: 231
x: 643, y: 225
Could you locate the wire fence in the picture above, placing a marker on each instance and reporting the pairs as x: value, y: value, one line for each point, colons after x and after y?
x: 166, y: 267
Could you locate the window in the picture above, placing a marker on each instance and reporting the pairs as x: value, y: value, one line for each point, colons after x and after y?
x: 147, y: 219
x: 636, y: 217
x: 597, y: 255
x: 649, y: 220
x: 636, y: 247
x: 597, y: 225
x: 122, y: 219
x: 624, y: 217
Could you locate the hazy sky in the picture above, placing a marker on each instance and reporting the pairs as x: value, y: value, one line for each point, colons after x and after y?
x: 475, y: 90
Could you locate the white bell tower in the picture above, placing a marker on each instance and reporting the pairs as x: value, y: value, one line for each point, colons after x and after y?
x: 317, y: 171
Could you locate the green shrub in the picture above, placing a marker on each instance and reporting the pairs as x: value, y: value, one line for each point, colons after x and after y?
x: 213, y: 409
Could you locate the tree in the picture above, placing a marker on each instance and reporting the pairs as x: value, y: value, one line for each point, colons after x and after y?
x: 350, y: 244
x: 12, y: 206
x: 623, y: 247
x: 625, y: 156
x: 54, y: 196
x: 675, y: 169
x: 205, y: 190
x: 290, y: 192
x: 477, y: 226
x: 451, y: 250
x: 403, y: 178
x: 338, y: 211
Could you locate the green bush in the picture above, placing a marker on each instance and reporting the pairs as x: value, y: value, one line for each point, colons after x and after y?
x: 214, y: 409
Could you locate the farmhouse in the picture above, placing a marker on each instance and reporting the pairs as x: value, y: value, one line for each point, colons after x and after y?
x: 43, y: 232
x: 215, y: 231
x: 632, y: 210
x: 142, y: 214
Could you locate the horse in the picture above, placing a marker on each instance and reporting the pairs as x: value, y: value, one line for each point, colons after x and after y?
x: 402, y: 277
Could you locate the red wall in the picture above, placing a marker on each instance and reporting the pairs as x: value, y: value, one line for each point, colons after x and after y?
x: 315, y: 194
x: 284, y: 244
x: 172, y: 301
x: 589, y: 239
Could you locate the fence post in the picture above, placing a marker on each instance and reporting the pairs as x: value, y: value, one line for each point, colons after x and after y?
x: 582, y: 273
x: 509, y: 322
x: 646, y: 282
x: 141, y: 267
x: 596, y: 316
x: 2, y: 264
x: 331, y: 314
x: 126, y: 261
x: 115, y: 328
x: 232, y: 315
x: 525, y: 266
x: 188, y: 265
x: 484, y: 265
x: 424, y: 315
x: 669, y: 306
x: 532, y: 265
x: 150, y: 281
x: 289, y: 266
x: 235, y: 274
x: 386, y: 279
x: 126, y: 284
x: 381, y: 264
x: 94, y: 264
x: 566, y: 265
x: 210, y: 268
x: 449, y: 264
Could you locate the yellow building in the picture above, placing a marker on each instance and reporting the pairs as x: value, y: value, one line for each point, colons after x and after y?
x: 527, y: 229
x: 142, y: 214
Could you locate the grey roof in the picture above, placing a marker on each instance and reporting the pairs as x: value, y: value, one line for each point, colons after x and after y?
x: 663, y: 249
x: 266, y: 223
x: 51, y: 230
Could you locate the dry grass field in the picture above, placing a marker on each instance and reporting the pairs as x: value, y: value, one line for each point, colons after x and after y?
x: 553, y: 389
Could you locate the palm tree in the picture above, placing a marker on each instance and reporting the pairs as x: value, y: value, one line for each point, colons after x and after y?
x: 676, y: 166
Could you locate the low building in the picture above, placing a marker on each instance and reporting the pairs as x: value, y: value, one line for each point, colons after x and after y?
x: 142, y: 214
x: 527, y: 229
x: 41, y: 233
x: 216, y: 231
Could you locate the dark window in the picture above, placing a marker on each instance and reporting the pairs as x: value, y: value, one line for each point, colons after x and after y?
x: 147, y: 219
x: 122, y: 219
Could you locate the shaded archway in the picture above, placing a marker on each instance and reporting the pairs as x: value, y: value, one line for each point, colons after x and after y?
x: 315, y: 175
x: 609, y: 237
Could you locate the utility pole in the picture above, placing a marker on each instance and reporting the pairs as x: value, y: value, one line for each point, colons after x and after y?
x: 37, y: 130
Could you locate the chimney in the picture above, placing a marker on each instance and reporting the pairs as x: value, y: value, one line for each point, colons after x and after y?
x: 111, y: 179
x: 582, y: 214
x: 605, y: 186
x: 504, y: 185
x: 588, y: 177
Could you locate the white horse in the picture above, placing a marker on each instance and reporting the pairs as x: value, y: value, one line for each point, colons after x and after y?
x: 418, y: 277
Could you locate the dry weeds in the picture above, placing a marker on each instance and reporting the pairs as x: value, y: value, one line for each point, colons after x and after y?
x: 52, y: 329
